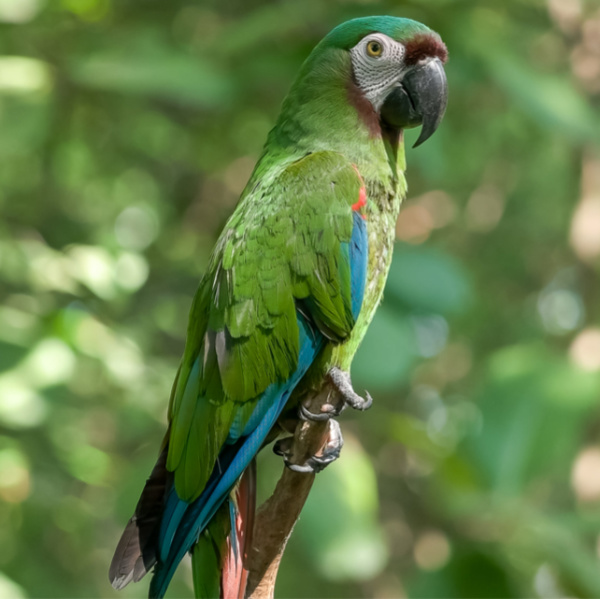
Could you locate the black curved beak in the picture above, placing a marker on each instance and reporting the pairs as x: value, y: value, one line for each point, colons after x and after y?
x: 419, y: 99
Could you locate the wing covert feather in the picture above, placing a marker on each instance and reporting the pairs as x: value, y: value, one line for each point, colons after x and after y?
x: 286, y: 242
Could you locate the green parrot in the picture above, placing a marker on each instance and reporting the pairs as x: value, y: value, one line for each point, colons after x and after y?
x: 291, y: 287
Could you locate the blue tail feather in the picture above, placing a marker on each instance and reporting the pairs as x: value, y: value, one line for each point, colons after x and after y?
x: 174, y: 511
x: 187, y: 520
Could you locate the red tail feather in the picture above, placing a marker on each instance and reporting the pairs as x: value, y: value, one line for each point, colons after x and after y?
x: 234, y: 575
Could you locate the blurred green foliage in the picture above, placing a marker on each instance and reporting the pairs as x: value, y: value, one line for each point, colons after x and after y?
x: 127, y: 131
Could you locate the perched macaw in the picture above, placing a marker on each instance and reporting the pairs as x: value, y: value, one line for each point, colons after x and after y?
x: 291, y: 287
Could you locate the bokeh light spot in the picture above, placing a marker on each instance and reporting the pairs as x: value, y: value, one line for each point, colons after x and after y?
x: 14, y: 476
x: 415, y: 224
x: 131, y: 271
x: 94, y: 267
x: 432, y: 550
x: 88, y: 10
x: 51, y: 362
x: 585, y: 350
x: 18, y: 11
x: 20, y: 406
x: 585, y: 474
x: 561, y: 310
x: 21, y: 75
x: 566, y: 14
x: 484, y: 209
x: 10, y: 589
x: 89, y: 464
x: 136, y: 227
x: 431, y: 334
x: 585, y: 229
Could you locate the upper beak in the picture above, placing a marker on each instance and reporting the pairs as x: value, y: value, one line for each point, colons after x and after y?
x: 419, y: 99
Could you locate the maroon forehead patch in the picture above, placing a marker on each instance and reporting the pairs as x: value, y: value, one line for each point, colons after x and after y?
x: 425, y: 46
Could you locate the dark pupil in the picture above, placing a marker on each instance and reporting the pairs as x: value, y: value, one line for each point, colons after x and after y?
x: 375, y: 47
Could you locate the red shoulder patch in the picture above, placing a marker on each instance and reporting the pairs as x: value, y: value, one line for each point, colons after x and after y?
x: 362, y: 199
x: 362, y: 195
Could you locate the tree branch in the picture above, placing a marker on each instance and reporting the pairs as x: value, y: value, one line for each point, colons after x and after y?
x: 277, y: 516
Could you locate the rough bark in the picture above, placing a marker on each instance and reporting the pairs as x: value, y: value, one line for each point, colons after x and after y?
x: 278, y: 515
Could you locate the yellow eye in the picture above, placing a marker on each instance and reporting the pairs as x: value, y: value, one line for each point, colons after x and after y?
x: 374, y: 49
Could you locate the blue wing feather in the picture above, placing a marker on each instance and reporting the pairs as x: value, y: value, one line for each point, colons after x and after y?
x: 189, y: 519
x: 182, y: 521
x: 359, y: 260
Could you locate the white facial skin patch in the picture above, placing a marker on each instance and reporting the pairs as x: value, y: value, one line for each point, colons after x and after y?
x: 376, y: 75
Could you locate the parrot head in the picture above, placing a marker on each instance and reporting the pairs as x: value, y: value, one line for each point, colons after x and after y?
x: 389, y: 70
x: 397, y: 64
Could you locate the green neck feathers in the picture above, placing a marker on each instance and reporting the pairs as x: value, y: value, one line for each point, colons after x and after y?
x: 325, y: 110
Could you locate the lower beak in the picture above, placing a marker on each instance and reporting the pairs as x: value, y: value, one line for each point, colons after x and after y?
x: 419, y: 99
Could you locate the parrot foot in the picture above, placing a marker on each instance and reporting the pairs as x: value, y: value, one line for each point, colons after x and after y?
x: 314, y: 464
x: 340, y: 380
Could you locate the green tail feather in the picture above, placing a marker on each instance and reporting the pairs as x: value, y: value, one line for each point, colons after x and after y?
x: 208, y: 556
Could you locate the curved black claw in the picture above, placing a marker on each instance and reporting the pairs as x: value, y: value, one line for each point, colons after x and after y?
x: 327, y: 411
x: 341, y: 381
x: 314, y: 464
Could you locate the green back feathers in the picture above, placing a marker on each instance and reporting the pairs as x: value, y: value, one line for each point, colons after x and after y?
x: 282, y: 245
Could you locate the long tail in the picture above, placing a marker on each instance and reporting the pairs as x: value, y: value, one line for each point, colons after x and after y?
x: 183, y: 523
x: 164, y: 527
